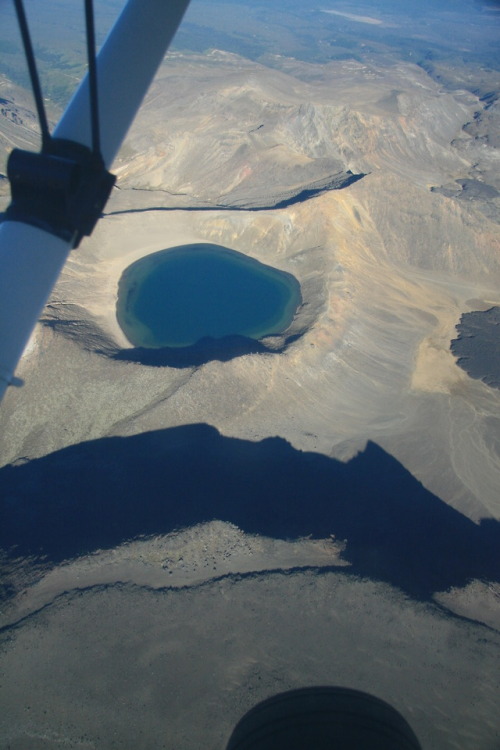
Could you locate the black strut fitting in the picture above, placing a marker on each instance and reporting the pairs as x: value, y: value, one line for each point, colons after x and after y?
x: 62, y: 190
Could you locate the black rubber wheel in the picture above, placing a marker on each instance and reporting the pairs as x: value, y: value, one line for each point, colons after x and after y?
x: 323, y: 718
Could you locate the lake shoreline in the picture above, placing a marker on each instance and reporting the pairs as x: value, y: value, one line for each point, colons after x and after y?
x: 177, y: 297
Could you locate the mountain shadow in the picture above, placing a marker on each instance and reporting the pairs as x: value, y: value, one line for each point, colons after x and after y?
x: 205, y: 350
x: 85, y: 331
x: 97, y: 494
x: 260, y: 202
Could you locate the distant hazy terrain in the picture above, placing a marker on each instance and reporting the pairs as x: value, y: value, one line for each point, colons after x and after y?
x: 183, y: 536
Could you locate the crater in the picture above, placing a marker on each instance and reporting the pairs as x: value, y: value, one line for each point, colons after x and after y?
x: 204, y: 296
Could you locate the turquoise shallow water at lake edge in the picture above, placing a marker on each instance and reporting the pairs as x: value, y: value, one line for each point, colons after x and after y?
x: 175, y: 297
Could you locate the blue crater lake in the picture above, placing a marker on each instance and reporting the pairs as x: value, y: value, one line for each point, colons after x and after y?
x: 178, y: 296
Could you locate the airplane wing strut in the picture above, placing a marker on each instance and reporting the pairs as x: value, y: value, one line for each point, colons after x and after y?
x: 33, y: 249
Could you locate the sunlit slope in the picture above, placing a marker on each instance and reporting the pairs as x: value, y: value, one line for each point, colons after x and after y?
x: 387, y: 265
x: 242, y: 134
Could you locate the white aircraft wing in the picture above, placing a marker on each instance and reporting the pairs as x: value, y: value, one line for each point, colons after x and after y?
x: 32, y: 258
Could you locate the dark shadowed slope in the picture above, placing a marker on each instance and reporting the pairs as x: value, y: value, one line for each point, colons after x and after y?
x: 97, y: 494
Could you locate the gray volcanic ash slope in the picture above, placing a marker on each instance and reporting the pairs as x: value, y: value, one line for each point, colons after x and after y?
x: 386, y: 268
x: 329, y: 487
x: 242, y: 134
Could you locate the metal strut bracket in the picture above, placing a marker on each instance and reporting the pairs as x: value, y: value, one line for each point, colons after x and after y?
x: 62, y: 190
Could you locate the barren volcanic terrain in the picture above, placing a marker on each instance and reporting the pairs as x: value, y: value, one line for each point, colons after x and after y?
x: 387, y: 265
x: 249, y: 516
